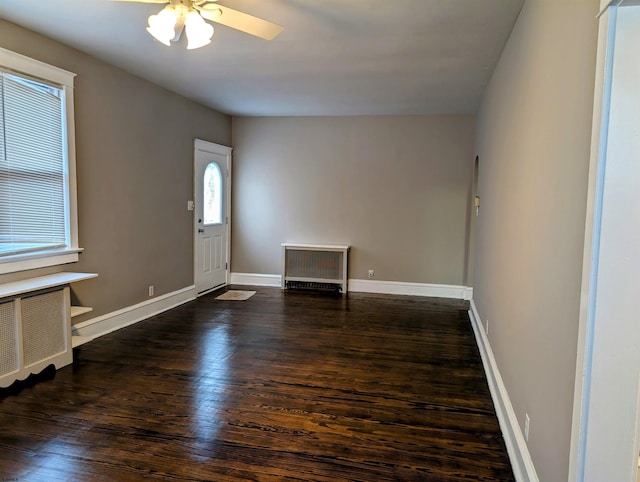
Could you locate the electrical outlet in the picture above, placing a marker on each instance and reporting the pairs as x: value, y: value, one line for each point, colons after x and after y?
x: 151, y: 290
x: 371, y: 274
x: 527, y: 422
x: 190, y: 206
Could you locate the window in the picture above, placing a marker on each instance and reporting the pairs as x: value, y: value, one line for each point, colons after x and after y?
x: 212, y: 195
x: 37, y: 165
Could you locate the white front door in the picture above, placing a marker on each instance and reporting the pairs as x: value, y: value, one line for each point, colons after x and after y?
x: 212, y: 164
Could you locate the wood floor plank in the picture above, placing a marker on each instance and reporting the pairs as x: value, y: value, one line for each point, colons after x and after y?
x: 284, y: 386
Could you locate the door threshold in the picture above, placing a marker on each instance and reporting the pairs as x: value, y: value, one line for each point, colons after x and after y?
x: 210, y: 290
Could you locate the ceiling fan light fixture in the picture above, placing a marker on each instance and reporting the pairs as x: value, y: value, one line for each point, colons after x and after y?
x: 199, y: 32
x: 162, y: 25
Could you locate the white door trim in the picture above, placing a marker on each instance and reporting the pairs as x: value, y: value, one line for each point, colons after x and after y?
x: 605, y: 439
x: 202, y: 145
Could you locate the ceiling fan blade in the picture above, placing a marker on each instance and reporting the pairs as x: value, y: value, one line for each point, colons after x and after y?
x: 240, y: 21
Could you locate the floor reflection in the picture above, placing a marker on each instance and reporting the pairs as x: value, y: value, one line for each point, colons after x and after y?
x: 56, y: 460
x: 209, y: 391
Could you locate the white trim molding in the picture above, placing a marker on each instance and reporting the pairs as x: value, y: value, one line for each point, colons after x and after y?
x: 521, y: 462
x: 43, y: 259
x: 89, y: 330
x: 367, y: 286
x: 24, y: 64
x: 468, y: 293
x: 405, y: 288
x: 253, y: 279
x: 63, y: 79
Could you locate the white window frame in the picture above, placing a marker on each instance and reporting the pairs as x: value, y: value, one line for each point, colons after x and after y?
x: 21, y: 64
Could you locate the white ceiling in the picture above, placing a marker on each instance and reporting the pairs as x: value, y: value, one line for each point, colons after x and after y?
x: 334, y: 57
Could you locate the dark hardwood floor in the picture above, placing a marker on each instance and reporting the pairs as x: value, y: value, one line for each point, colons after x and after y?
x: 284, y: 386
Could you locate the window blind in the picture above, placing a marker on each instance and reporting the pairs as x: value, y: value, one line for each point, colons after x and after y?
x: 32, y: 166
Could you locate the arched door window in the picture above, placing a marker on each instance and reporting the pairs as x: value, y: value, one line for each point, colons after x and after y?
x: 212, y: 195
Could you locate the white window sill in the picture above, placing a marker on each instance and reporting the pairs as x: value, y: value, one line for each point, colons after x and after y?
x: 44, y: 259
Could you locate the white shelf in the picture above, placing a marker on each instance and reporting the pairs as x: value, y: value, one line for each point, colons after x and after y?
x: 80, y: 310
x: 41, y: 282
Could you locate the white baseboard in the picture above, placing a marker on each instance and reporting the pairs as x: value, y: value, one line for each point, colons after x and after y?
x: 367, y: 286
x: 521, y: 463
x: 404, y: 288
x: 253, y: 279
x: 101, y: 325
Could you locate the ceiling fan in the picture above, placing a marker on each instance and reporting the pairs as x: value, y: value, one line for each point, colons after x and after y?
x: 189, y: 15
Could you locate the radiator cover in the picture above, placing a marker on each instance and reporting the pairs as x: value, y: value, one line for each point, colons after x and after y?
x: 35, y: 332
x: 314, y: 266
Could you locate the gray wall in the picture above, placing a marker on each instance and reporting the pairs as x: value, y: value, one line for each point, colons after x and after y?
x: 134, y: 161
x: 533, y: 141
x: 395, y: 188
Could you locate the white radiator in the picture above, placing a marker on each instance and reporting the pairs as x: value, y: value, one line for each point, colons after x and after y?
x: 314, y: 266
x: 35, y: 332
